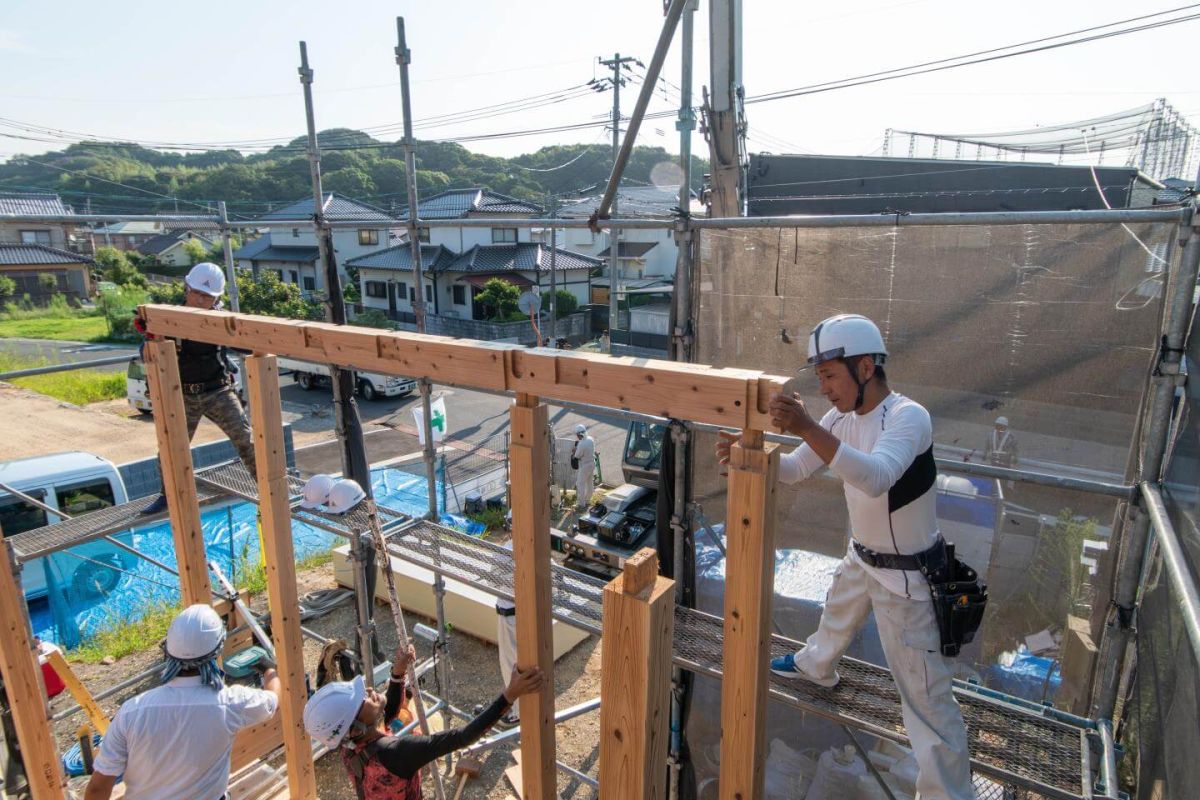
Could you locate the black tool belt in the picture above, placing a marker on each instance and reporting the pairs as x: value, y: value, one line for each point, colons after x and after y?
x: 915, y: 561
x: 207, y: 386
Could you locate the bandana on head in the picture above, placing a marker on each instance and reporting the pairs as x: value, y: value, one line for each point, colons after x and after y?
x: 210, y: 673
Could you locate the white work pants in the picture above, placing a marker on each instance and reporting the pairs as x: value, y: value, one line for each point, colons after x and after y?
x: 584, y: 484
x: 506, y: 641
x: 909, y: 633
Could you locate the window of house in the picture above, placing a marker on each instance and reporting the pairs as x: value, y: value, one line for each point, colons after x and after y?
x: 423, y: 235
x: 295, y: 276
x: 412, y: 296
x: 295, y: 233
x: 278, y: 274
x: 368, y: 236
x: 376, y: 289
x: 504, y: 235
x: 429, y: 293
x: 401, y: 289
x: 35, y: 237
x: 310, y: 284
x: 460, y: 295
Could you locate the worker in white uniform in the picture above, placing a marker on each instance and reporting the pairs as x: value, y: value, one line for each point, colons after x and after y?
x: 880, y: 443
x: 1000, y: 448
x: 583, y: 459
x: 176, y: 740
x: 506, y: 644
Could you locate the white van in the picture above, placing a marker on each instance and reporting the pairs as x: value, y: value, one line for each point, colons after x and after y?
x: 370, y: 385
x: 74, y: 483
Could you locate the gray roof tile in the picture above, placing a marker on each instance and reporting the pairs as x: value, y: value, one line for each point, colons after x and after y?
x: 165, y: 241
x: 629, y: 249
x: 458, y: 203
x: 22, y: 254
x: 337, y: 209
x: 300, y: 255
x: 22, y: 203
x: 520, y: 257
x: 399, y: 257
x: 252, y: 248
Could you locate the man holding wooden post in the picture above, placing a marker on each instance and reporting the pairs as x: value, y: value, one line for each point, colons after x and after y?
x: 880, y: 444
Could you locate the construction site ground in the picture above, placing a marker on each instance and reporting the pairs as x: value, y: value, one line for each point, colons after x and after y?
x: 474, y: 677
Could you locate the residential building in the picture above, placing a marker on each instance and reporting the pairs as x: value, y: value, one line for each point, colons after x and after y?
x: 779, y: 185
x: 62, y: 235
x: 126, y: 235
x: 27, y: 264
x: 640, y: 253
x: 290, y: 250
x: 168, y: 249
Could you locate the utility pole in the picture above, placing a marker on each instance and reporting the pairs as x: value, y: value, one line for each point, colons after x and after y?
x: 724, y: 134
x: 552, y: 207
x: 686, y: 123
x: 615, y: 64
x: 227, y: 246
x: 347, y: 425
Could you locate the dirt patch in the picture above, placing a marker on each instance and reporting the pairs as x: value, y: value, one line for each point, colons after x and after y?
x: 474, y: 681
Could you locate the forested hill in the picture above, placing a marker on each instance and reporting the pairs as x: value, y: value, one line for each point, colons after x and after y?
x: 121, y: 177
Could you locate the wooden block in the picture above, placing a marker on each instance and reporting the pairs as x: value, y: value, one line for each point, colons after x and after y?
x: 95, y: 714
x: 178, y: 476
x: 639, y: 621
x: 1079, y: 654
x: 262, y: 380
x: 529, y: 461
x: 749, y: 571
x: 251, y: 744
x: 25, y: 690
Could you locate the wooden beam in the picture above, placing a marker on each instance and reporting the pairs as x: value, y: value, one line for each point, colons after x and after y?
x: 262, y: 381
x: 24, y: 688
x: 735, y: 398
x: 749, y: 580
x: 529, y: 459
x: 178, y: 476
x: 95, y: 713
x: 639, y: 623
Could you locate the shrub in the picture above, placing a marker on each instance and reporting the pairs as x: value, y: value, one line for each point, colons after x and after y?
x: 566, y: 302
x: 118, y: 306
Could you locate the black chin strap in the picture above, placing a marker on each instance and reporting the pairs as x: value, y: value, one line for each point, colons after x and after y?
x: 862, y: 385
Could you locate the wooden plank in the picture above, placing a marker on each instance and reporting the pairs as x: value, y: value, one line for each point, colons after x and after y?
x: 251, y: 744
x: 95, y: 713
x: 262, y: 381
x: 178, y: 475
x: 529, y: 459
x: 749, y: 574
x: 25, y: 690
x: 639, y: 623
x: 730, y: 397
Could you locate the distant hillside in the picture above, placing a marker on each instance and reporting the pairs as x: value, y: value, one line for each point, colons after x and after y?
x: 352, y: 163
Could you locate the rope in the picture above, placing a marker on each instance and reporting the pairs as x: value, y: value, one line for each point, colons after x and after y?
x: 72, y: 760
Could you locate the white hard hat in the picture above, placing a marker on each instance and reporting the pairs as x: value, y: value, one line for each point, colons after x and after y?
x: 329, y: 714
x: 580, y: 429
x: 344, y: 495
x: 206, y: 277
x: 845, y: 335
x: 316, y: 491
x: 197, y: 632
x: 1002, y: 421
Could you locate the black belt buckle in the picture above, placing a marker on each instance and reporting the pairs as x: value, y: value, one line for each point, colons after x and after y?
x: 193, y: 388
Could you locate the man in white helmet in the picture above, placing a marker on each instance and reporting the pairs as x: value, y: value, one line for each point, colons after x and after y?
x: 1000, y: 448
x: 880, y: 443
x: 206, y: 375
x: 348, y: 717
x: 583, y: 461
x: 176, y: 740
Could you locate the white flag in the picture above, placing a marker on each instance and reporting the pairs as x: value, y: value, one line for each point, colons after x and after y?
x: 437, y: 411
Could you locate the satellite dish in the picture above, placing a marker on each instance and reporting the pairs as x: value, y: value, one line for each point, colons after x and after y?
x: 530, y: 303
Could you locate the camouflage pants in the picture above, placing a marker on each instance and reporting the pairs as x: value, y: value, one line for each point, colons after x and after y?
x: 223, y: 407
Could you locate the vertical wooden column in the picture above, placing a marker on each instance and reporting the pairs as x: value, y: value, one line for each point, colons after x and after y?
x: 749, y: 578
x: 175, y: 462
x: 26, y: 693
x: 262, y: 378
x: 639, y: 623
x: 529, y: 456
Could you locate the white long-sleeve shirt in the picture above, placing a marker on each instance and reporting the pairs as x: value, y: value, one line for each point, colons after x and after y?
x: 885, y: 461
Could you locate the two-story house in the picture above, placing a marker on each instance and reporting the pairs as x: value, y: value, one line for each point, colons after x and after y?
x: 290, y: 249
x: 457, y: 261
x: 126, y: 235
x: 168, y: 249
x: 60, y: 235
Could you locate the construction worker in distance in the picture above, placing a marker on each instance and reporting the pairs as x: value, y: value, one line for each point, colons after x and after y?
x: 347, y: 717
x: 207, y: 376
x: 1001, y: 447
x: 583, y: 461
x: 880, y: 443
x: 176, y: 740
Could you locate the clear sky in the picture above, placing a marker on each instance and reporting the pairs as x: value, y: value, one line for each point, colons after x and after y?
x: 224, y: 71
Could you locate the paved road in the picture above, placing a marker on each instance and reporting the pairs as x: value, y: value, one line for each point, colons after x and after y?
x: 59, y: 352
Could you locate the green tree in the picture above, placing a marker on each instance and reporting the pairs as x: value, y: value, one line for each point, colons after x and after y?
x: 47, y: 282
x: 270, y: 296
x: 116, y: 267
x: 8, y: 288
x: 196, y: 251
x: 118, y: 305
x: 499, y: 297
x: 167, y: 293
x: 372, y: 318
x: 566, y: 302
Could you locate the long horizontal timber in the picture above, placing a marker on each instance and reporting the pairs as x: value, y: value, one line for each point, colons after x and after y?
x: 734, y: 398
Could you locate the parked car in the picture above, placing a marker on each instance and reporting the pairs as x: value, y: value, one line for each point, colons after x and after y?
x: 137, y: 390
x: 370, y: 385
x: 75, y: 483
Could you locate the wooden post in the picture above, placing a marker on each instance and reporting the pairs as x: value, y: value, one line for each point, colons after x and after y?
x: 749, y: 579
x: 25, y: 690
x: 639, y: 623
x: 529, y: 456
x: 262, y: 379
x: 178, y: 477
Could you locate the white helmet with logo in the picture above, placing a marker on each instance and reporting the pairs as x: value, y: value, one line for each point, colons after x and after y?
x: 344, y: 495
x: 580, y: 429
x: 330, y: 713
x: 843, y: 336
x: 197, y: 632
x: 316, y: 491
x: 206, y: 277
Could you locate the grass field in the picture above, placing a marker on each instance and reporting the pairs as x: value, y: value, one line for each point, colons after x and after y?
x: 80, y: 387
x: 72, y: 329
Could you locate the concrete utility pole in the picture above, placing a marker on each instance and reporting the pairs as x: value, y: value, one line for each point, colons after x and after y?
x: 686, y: 123
x: 347, y: 425
x: 724, y: 136
x: 227, y: 246
x: 552, y: 208
x: 403, y: 58
x: 615, y: 64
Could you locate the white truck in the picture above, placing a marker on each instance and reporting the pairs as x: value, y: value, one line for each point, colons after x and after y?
x: 371, y: 385
x: 137, y: 390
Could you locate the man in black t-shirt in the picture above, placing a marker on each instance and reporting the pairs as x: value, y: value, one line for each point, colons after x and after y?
x: 207, y: 377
